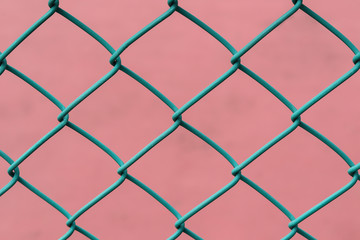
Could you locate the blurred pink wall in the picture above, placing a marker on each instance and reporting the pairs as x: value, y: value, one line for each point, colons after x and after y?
x: 300, y: 58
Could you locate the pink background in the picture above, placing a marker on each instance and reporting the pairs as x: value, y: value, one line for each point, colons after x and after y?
x: 300, y: 58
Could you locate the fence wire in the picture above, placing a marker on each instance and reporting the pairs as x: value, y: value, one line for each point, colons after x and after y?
x: 115, y: 61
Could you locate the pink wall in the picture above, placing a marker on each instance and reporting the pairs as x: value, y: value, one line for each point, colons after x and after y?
x: 300, y: 58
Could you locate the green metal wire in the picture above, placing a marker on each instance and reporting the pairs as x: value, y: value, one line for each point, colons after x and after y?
x: 115, y: 60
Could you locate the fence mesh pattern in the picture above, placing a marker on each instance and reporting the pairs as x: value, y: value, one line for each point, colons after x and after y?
x: 115, y: 61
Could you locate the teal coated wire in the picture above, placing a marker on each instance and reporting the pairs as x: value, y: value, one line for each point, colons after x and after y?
x: 235, y: 60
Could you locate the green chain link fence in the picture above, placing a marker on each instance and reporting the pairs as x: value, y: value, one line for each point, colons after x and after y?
x: 115, y: 61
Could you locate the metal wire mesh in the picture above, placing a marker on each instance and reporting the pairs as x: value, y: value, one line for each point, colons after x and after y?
x: 115, y: 61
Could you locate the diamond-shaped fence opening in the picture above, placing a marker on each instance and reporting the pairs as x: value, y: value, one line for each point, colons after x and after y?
x: 181, y: 219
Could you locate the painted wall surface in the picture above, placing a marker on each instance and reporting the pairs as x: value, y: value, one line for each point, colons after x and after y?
x: 300, y: 58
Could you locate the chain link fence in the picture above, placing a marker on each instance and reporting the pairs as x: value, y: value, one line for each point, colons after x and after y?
x: 238, y: 166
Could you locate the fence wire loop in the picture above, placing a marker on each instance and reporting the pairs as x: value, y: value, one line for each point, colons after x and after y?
x: 296, y: 1
x: 115, y: 60
x: 3, y: 64
x: 235, y: 60
x: 173, y: 2
x: 354, y: 170
x: 356, y: 58
x: 53, y: 3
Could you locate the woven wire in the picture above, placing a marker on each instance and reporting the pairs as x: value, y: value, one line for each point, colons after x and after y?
x: 115, y: 61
